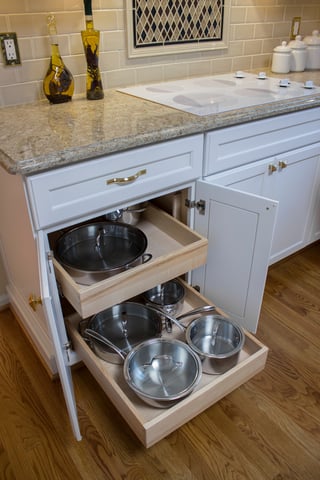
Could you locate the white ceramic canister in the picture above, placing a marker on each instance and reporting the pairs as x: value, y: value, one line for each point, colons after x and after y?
x: 281, y: 58
x: 313, y: 50
x: 298, y: 54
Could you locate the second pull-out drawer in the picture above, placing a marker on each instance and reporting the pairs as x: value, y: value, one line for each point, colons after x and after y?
x: 152, y: 424
x: 175, y: 249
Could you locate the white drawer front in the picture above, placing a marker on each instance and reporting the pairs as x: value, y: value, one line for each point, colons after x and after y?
x: 234, y: 146
x: 82, y: 190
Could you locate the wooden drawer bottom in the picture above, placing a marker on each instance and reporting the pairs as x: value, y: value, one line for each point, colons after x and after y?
x: 151, y: 424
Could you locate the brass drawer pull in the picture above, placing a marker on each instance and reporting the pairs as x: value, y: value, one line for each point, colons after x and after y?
x: 126, y: 180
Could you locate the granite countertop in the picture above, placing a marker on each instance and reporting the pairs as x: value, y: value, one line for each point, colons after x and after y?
x: 50, y: 136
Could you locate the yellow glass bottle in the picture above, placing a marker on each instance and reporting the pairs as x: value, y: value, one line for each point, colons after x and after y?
x: 58, y: 84
x: 90, y: 40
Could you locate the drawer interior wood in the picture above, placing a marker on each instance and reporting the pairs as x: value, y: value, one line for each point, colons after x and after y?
x: 175, y: 249
x: 152, y: 424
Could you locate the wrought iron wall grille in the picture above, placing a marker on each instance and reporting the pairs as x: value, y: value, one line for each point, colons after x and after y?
x: 168, y: 22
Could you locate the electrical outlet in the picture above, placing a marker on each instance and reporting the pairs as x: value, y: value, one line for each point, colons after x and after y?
x: 10, y: 49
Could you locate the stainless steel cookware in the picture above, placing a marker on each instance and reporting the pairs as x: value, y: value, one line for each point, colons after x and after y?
x: 125, y: 325
x: 168, y: 297
x: 96, y: 251
x: 216, y: 339
x: 160, y: 371
x: 130, y: 215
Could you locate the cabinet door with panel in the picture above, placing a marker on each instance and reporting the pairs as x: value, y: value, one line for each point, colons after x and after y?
x: 239, y: 227
x: 293, y: 183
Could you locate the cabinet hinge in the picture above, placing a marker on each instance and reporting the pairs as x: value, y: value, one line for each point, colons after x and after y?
x: 200, y: 205
x: 68, y: 348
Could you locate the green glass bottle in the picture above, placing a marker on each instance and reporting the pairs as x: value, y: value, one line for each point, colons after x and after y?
x: 58, y: 84
x: 90, y: 40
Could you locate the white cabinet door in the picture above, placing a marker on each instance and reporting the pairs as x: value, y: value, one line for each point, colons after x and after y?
x: 239, y: 228
x: 53, y: 312
x: 294, y: 184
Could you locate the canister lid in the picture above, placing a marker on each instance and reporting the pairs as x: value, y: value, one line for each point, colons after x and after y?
x: 283, y: 48
x: 297, y: 44
x: 313, y: 39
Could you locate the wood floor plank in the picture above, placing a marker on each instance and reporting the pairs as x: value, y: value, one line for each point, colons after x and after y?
x: 268, y: 429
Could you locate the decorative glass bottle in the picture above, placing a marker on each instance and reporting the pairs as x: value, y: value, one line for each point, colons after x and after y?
x: 58, y: 84
x: 90, y: 40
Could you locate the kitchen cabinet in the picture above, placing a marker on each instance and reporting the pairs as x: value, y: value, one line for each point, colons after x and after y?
x: 273, y: 165
x: 62, y: 198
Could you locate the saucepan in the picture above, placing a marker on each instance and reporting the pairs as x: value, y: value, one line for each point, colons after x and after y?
x: 96, y: 251
x: 160, y: 371
x: 216, y: 339
x: 125, y: 325
x: 167, y: 297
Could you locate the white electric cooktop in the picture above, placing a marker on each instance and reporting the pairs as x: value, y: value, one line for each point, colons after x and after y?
x: 219, y: 93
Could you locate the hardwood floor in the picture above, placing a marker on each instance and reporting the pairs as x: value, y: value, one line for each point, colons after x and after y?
x: 268, y: 429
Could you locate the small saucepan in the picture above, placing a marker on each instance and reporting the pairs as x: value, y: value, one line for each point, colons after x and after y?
x: 160, y: 371
x: 216, y: 339
x: 167, y: 297
x: 125, y: 325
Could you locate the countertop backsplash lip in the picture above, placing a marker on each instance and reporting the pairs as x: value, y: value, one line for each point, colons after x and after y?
x: 61, y: 135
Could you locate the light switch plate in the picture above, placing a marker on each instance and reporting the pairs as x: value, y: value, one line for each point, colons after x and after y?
x: 10, y: 48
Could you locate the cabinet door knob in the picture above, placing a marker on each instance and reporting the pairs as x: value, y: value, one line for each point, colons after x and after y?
x: 272, y: 168
x: 282, y: 164
x: 125, y: 180
x: 34, y: 301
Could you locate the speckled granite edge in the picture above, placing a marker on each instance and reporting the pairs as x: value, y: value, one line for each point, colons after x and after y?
x: 52, y: 136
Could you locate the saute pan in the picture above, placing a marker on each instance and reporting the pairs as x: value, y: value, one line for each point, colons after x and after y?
x: 160, y: 371
x: 96, y: 251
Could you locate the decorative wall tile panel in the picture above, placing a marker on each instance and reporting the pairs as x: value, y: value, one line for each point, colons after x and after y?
x: 168, y: 22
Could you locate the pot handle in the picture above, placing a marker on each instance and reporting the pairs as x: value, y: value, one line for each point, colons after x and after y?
x: 195, y: 311
x: 146, y: 257
x: 100, y: 338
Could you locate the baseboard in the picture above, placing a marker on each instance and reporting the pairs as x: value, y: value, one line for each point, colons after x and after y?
x: 4, y: 301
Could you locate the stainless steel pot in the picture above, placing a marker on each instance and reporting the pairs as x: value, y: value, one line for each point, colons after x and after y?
x: 130, y: 215
x: 125, y: 325
x: 96, y: 251
x: 160, y: 371
x: 216, y: 339
x: 168, y: 297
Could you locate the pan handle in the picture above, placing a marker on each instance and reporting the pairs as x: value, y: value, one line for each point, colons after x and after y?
x: 195, y: 311
x: 100, y: 338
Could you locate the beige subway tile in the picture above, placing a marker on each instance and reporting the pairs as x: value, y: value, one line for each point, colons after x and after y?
x: 242, y: 63
x: 238, y: 15
x: 252, y: 47
x: 263, y: 30
x: 275, y: 14
x: 221, y: 65
x: 148, y: 74
x: 243, y: 32
x: 119, y: 78
x: 21, y: 93
x: 106, y: 20
x: 37, y: 6
x: 282, y: 29
x: 255, y: 14
x: 261, y: 61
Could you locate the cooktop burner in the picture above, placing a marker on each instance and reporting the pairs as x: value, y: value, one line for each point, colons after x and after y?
x: 215, y: 94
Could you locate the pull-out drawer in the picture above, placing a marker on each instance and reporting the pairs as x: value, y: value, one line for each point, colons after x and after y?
x: 152, y: 424
x: 95, y: 186
x: 175, y: 249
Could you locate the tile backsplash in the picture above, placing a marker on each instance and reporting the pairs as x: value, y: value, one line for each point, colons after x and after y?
x: 256, y: 27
